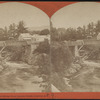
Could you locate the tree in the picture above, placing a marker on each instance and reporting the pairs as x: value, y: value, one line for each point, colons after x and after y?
x: 12, y: 30
x: 43, y: 47
x: 44, y: 32
x: 21, y: 28
x: 61, y: 56
x: 84, y: 34
x: 2, y: 34
x: 5, y: 30
x: 43, y: 61
x: 54, y: 35
x: 5, y: 33
x: 61, y: 32
x: 97, y: 27
x: 71, y: 34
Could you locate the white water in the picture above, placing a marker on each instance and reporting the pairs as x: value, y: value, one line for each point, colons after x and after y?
x: 11, y: 81
x: 88, y: 80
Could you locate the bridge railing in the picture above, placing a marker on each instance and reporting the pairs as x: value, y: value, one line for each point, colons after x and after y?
x: 12, y: 43
x: 74, y: 43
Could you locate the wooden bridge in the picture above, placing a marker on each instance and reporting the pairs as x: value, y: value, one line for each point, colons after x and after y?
x: 80, y: 43
x: 83, y: 42
x: 16, y: 43
x: 29, y: 50
x: 70, y: 43
x: 76, y: 44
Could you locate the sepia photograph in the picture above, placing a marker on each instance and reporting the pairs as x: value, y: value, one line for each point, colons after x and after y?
x: 49, y: 50
x: 43, y: 54
x: 24, y: 48
x: 75, y: 48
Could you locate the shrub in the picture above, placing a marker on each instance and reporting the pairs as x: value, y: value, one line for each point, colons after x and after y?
x: 61, y: 57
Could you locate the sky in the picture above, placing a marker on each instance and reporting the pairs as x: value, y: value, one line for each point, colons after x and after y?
x: 77, y: 14
x: 13, y: 12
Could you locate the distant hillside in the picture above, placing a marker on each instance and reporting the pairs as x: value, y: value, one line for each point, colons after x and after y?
x: 38, y: 28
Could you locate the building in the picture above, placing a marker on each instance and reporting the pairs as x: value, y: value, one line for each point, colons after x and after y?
x: 33, y: 38
x: 40, y: 38
x: 24, y: 36
x: 89, y: 37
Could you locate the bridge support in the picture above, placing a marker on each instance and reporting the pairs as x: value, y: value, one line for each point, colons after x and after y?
x: 77, y: 49
x: 32, y: 48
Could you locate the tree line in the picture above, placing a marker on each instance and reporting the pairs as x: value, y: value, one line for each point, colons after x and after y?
x: 87, y: 31
x: 14, y: 30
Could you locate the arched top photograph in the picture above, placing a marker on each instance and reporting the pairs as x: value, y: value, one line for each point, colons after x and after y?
x: 76, y: 14
x: 75, y: 47
x: 24, y: 35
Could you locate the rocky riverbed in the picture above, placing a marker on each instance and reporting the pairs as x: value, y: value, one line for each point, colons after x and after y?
x: 20, y: 77
x: 88, y: 78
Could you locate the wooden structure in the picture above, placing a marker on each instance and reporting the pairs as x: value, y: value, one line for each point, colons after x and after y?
x: 80, y: 43
x: 76, y: 44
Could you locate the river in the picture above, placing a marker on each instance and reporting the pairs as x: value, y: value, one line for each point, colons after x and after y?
x: 88, y: 80
x: 18, y: 78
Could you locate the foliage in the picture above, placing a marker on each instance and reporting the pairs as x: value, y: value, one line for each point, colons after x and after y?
x: 61, y: 57
x: 13, y: 31
x: 15, y: 53
x: 91, y: 30
x: 44, y: 32
x: 43, y: 61
x: 93, y: 52
x: 34, y: 32
x: 21, y: 28
x: 54, y: 35
x: 43, y: 47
